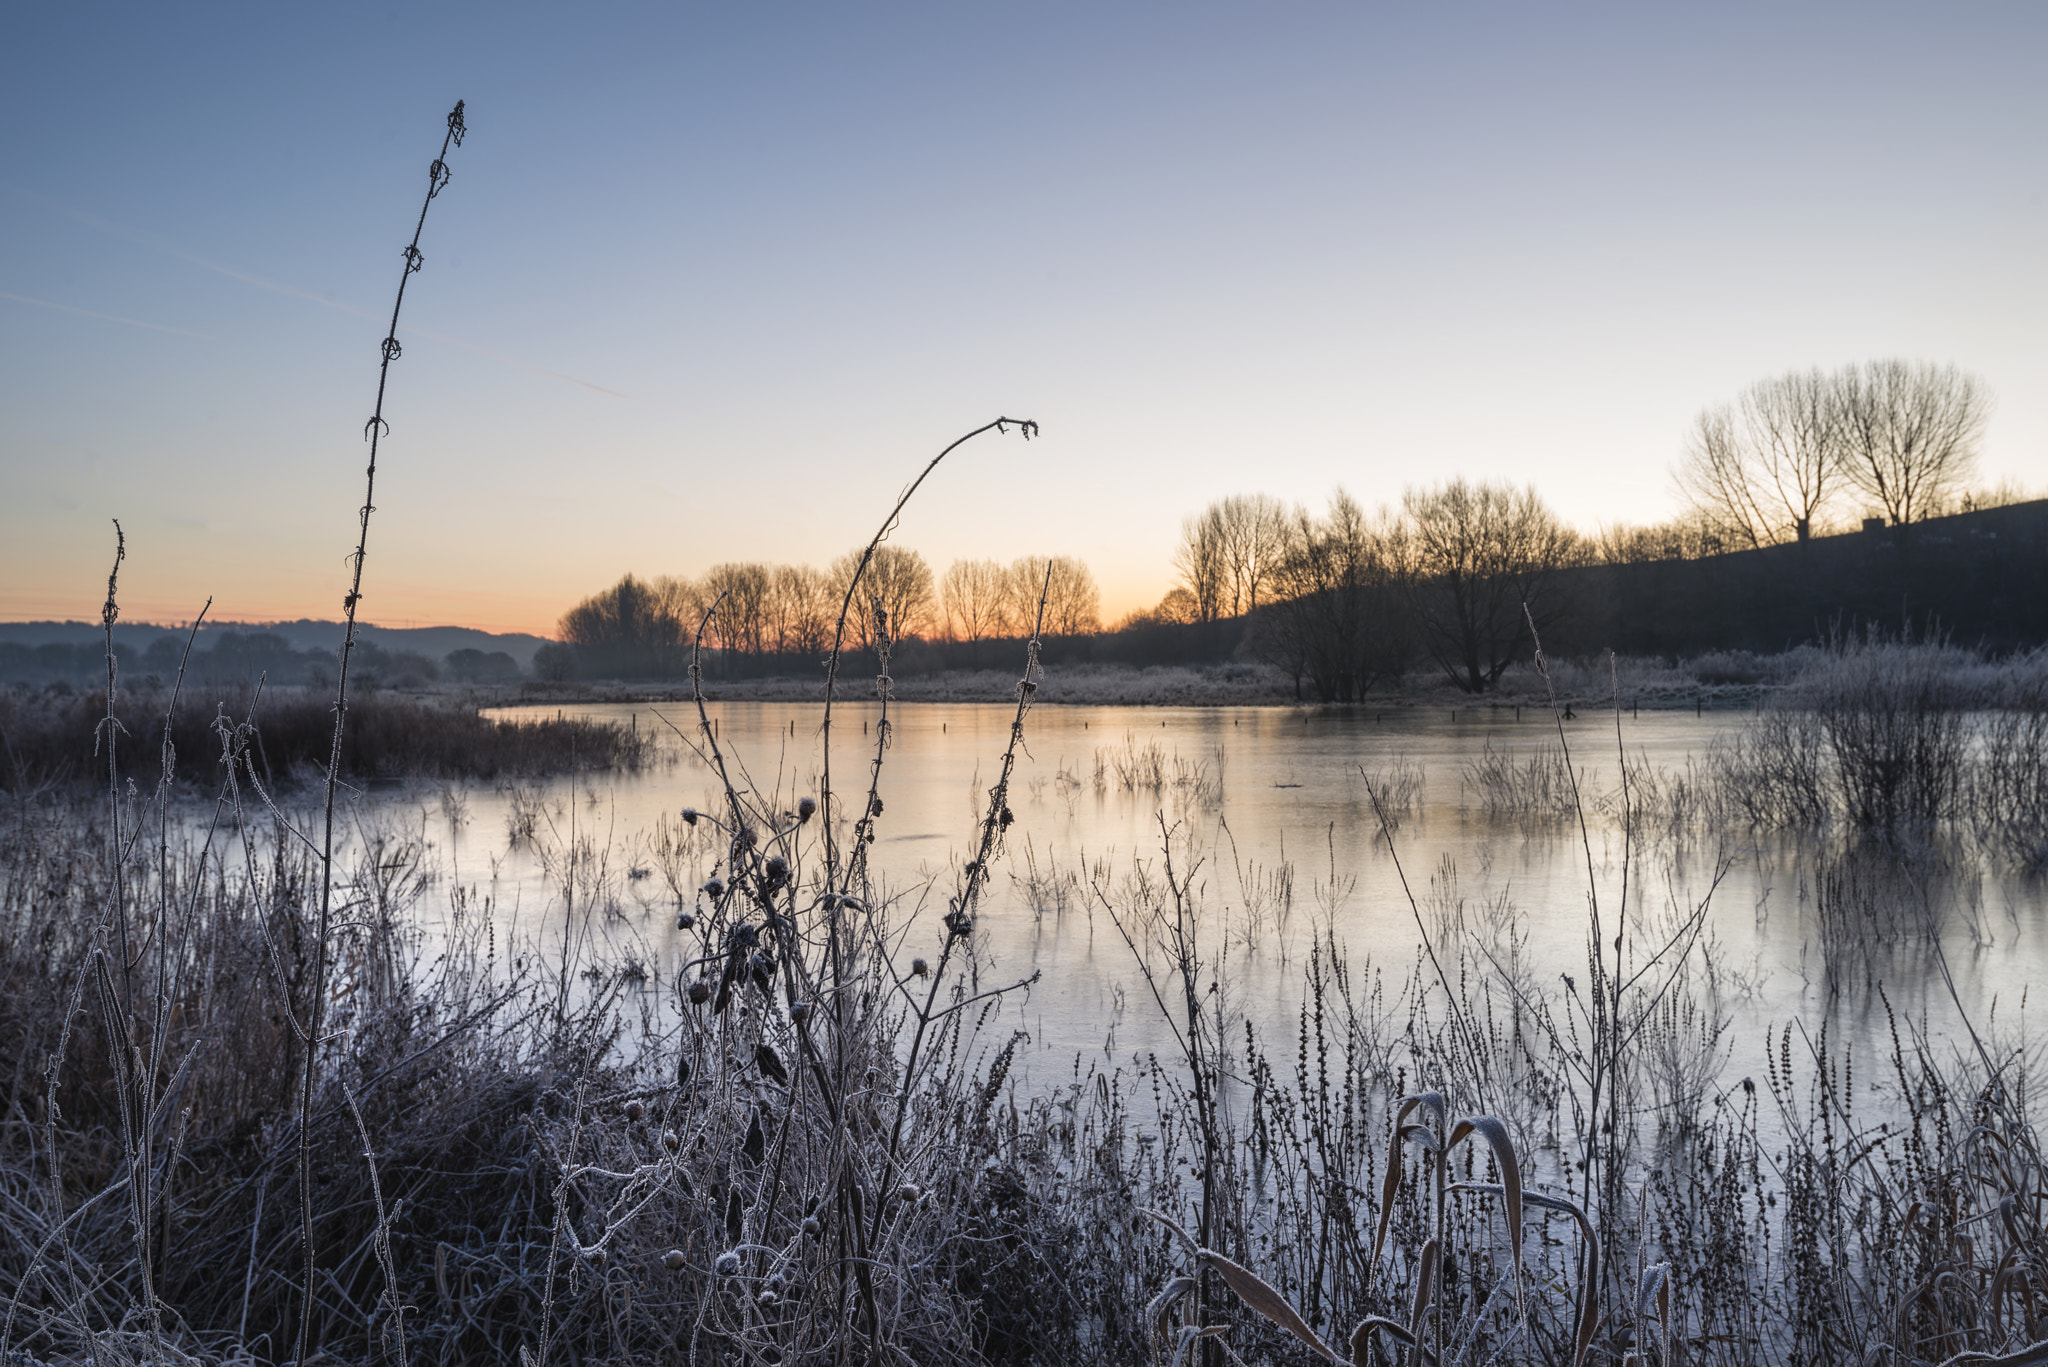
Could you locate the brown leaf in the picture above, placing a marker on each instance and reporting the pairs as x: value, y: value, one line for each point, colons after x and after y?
x: 1253, y: 1291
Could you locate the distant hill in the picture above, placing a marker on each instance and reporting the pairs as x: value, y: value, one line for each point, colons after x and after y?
x: 1981, y: 577
x: 305, y: 634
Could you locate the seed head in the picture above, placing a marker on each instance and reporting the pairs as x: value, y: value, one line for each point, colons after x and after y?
x: 811, y: 1227
x: 673, y: 1260
x: 799, y: 1012
x: 908, y: 1192
x: 636, y: 1112
x: 714, y: 887
x: 728, y: 1265
x: 684, y: 920
x: 920, y: 969
x: 596, y: 1257
x: 671, y: 1141
x: 778, y: 868
x: 700, y: 992
x: 806, y: 809
x: 690, y: 816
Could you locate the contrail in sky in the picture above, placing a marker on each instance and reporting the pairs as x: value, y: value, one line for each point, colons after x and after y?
x: 104, y: 317
x: 157, y: 244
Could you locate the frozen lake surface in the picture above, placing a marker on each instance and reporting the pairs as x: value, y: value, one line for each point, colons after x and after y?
x: 1272, y: 807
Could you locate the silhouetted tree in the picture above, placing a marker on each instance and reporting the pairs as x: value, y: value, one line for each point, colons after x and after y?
x: 800, y: 610
x: 628, y: 630
x: 897, y: 588
x: 1228, y: 553
x: 1333, y: 614
x: 1910, y: 434
x: 1763, y: 469
x: 1473, y: 555
x: 976, y: 598
x: 1073, y: 606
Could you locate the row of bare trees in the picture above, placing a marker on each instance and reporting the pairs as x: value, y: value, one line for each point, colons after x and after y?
x: 986, y: 600
x: 1782, y: 459
x: 1345, y: 598
x: 750, y: 610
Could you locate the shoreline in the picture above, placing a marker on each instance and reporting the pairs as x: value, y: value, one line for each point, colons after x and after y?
x: 1639, y: 686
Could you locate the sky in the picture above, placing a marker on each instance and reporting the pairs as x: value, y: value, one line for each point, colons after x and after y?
x: 713, y: 282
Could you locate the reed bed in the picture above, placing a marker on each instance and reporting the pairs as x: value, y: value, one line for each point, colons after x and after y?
x: 48, y: 738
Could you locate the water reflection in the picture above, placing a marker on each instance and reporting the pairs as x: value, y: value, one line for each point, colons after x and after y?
x: 1272, y: 812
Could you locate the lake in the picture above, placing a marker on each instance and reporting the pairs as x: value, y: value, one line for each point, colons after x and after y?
x: 1272, y: 808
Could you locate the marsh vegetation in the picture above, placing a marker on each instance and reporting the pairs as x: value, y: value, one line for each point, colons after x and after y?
x: 684, y: 1107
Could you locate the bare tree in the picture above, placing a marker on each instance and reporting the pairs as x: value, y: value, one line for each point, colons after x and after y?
x: 1691, y: 537
x: 1073, y: 606
x: 1911, y: 431
x: 628, y: 629
x: 1199, y: 559
x: 800, y: 609
x: 741, y: 591
x: 896, y: 592
x: 1254, y: 540
x: 1331, y: 614
x: 1763, y: 469
x: 1177, y: 608
x: 975, y: 595
x: 1474, y: 556
x: 1228, y: 553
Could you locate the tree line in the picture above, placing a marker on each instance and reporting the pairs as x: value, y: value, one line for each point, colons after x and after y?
x: 1344, y: 600
x: 1780, y: 462
x: 1462, y: 576
x: 754, y: 616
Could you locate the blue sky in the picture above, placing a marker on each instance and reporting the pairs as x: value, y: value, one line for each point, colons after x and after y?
x: 1212, y: 249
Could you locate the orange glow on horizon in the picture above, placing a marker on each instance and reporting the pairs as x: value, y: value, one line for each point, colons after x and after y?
x: 397, y: 609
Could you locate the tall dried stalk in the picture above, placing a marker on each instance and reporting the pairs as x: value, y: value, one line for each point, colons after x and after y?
x: 373, y: 431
